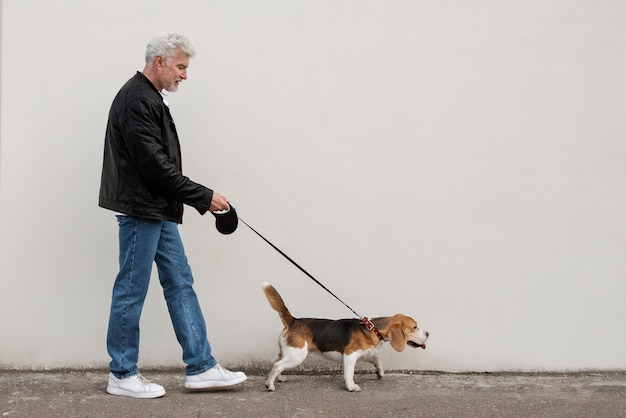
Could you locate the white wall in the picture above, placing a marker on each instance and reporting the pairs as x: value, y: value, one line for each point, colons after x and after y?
x: 462, y: 162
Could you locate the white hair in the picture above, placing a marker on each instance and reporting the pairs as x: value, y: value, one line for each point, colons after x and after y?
x: 165, y: 44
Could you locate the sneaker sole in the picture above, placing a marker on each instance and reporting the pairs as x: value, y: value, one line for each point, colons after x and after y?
x: 139, y: 395
x: 207, y: 384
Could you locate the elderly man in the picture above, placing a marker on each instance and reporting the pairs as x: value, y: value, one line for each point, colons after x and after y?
x: 143, y: 184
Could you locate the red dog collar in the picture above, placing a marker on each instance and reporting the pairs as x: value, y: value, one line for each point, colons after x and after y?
x: 371, y: 327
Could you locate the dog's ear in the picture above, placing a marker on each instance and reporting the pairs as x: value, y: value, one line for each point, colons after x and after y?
x: 397, y: 339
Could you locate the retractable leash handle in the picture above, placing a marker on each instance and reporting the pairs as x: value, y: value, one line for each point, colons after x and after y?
x: 226, y: 221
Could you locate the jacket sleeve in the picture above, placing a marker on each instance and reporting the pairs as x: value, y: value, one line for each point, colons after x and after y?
x: 158, y: 170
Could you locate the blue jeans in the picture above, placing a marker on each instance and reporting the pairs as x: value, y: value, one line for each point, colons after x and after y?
x: 142, y: 242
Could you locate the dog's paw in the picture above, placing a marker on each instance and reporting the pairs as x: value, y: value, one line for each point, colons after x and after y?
x: 270, y: 387
x: 281, y: 378
x: 354, y: 388
x: 380, y: 374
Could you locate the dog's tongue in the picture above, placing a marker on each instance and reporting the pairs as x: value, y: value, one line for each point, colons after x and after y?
x: 423, y: 346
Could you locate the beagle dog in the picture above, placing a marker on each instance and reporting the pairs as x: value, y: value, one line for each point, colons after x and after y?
x: 344, y: 340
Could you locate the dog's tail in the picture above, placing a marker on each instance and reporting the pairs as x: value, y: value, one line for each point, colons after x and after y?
x: 277, y: 303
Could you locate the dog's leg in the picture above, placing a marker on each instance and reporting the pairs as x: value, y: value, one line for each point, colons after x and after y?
x: 291, y: 358
x: 274, y: 374
x: 349, y: 361
x: 280, y: 377
x: 378, y: 364
x: 374, y: 359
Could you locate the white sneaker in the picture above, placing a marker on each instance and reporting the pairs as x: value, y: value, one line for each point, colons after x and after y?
x: 135, y: 386
x: 215, y: 377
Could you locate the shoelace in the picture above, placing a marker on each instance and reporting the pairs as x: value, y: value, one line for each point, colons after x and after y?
x: 225, y: 371
x: 142, y: 379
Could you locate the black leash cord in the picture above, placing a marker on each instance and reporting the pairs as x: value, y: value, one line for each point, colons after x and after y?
x: 298, y: 266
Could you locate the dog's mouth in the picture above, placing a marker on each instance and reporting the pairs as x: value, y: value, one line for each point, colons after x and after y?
x: 416, y: 345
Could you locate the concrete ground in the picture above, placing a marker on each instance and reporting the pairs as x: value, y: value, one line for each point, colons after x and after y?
x: 82, y: 394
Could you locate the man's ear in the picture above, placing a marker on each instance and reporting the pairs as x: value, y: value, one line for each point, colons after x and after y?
x: 159, y: 62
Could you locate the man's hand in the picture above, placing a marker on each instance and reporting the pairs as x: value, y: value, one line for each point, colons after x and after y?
x: 218, y: 203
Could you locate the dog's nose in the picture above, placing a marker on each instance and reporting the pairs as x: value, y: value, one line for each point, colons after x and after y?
x: 427, y: 334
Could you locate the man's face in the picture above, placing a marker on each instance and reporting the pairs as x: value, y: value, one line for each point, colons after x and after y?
x: 174, y: 71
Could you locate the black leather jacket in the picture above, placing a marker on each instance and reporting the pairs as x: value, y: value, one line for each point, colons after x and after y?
x: 142, y: 169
